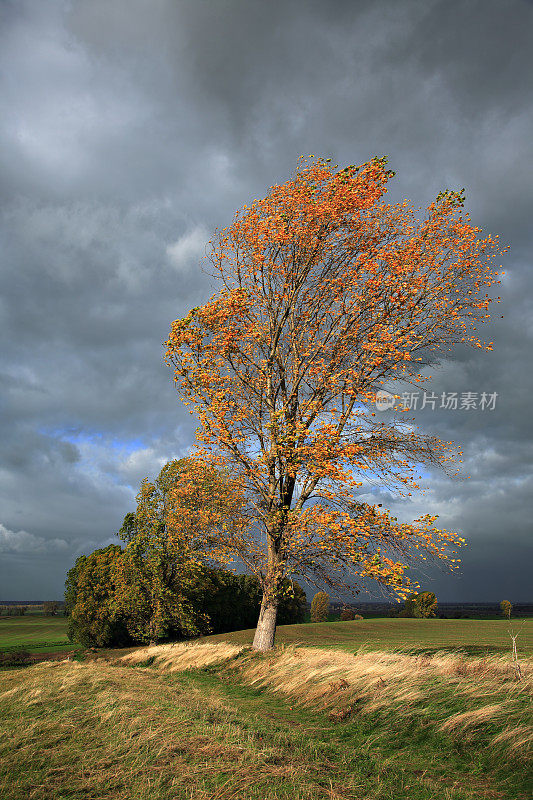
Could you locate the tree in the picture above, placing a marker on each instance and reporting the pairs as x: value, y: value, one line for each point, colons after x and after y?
x: 71, y: 585
x: 320, y: 607
x: 347, y: 614
x: 50, y: 607
x: 161, y: 585
x: 156, y: 568
x: 327, y: 295
x: 128, y: 528
x: 165, y: 584
x: 409, y: 606
x: 94, y: 619
x: 425, y: 605
x: 506, y: 607
x: 161, y: 567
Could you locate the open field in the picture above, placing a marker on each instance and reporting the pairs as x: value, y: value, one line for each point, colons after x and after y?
x: 40, y: 634
x: 34, y: 633
x: 473, y: 637
x: 218, y: 722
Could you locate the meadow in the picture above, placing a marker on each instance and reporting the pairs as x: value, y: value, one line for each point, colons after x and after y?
x: 38, y: 633
x: 366, y: 710
x: 220, y: 721
x: 35, y: 633
x: 470, y: 636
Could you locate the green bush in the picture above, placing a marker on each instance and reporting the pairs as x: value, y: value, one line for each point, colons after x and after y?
x: 15, y: 658
x: 230, y: 602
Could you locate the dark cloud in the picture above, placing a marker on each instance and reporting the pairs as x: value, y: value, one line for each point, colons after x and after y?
x: 130, y: 131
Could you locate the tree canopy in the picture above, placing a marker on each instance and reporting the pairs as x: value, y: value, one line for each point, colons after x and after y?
x: 327, y: 294
x: 164, y: 551
x: 90, y: 597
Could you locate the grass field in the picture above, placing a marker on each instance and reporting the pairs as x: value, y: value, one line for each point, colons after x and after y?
x: 218, y: 722
x: 34, y: 633
x: 473, y: 637
x: 40, y: 634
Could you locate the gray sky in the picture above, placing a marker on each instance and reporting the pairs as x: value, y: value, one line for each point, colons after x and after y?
x: 131, y: 130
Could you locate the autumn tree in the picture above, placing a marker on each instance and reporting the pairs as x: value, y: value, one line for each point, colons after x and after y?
x: 94, y: 618
x: 328, y: 294
x: 128, y: 529
x: 425, y: 605
x: 506, y: 607
x: 320, y: 607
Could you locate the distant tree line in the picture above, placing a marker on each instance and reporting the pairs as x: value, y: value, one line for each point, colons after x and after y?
x: 49, y: 608
x: 13, y: 611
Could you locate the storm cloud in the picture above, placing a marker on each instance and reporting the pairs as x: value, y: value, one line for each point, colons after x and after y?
x: 130, y: 131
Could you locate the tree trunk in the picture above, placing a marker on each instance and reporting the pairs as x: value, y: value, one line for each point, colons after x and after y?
x: 266, y: 625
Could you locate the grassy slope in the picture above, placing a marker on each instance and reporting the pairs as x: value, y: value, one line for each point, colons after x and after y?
x: 475, y: 637
x: 112, y: 731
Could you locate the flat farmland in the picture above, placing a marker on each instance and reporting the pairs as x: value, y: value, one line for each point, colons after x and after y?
x: 37, y: 633
x: 34, y: 633
x: 473, y: 637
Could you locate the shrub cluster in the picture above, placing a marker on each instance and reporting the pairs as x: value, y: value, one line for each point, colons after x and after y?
x: 16, y: 658
x: 217, y: 601
x: 347, y: 614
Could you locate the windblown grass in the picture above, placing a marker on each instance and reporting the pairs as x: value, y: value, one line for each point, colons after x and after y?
x: 183, y: 655
x: 477, y: 697
x: 221, y: 722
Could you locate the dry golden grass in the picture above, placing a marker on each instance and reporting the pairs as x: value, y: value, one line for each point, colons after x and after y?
x: 110, y: 731
x: 485, y: 689
x: 183, y: 655
x: 470, y: 719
